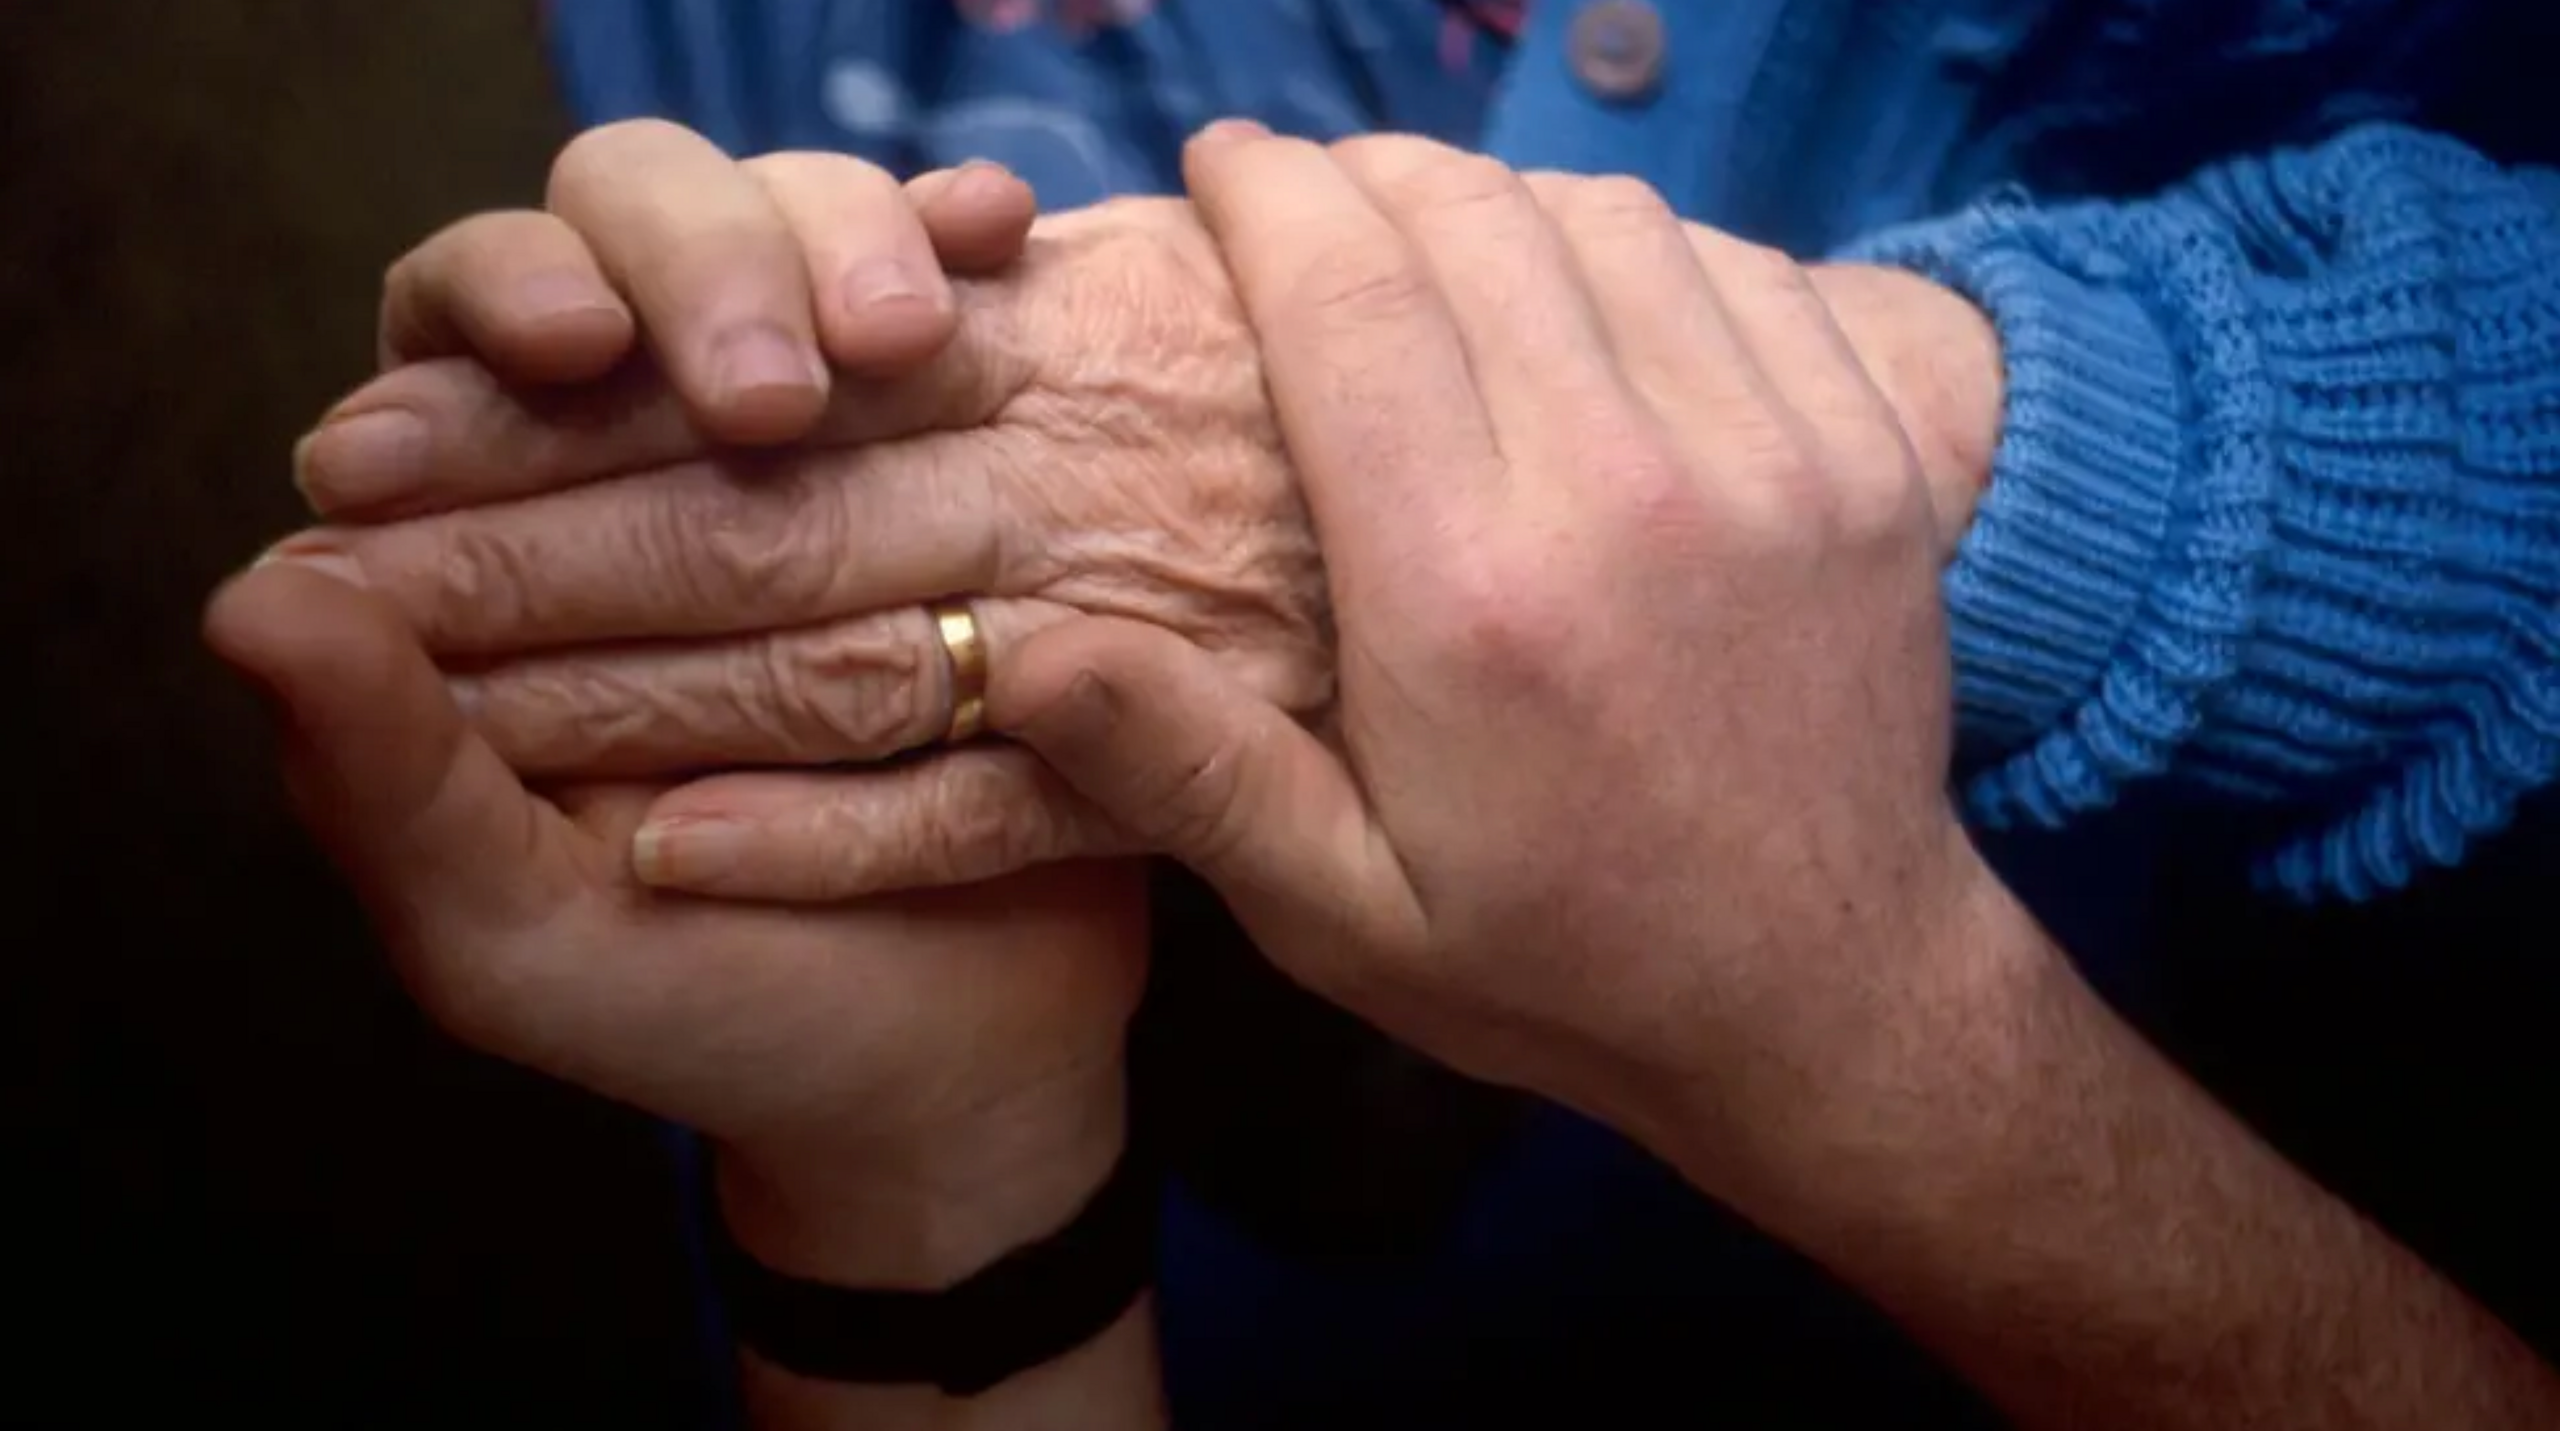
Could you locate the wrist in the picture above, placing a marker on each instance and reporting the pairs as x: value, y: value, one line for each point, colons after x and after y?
x: 922, y: 1209
x: 1936, y: 357
x: 1984, y: 1099
x: 1890, y: 1104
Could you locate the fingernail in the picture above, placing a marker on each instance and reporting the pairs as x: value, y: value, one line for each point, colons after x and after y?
x: 542, y: 297
x: 763, y: 356
x: 686, y: 853
x: 303, y: 552
x: 882, y: 280
x: 982, y: 176
x: 363, y: 458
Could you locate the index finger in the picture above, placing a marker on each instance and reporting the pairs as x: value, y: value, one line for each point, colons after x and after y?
x: 479, y: 440
x: 516, y: 289
x: 702, y: 549
x: 1367, y: 373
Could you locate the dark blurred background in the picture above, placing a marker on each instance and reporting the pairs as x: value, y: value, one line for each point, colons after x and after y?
x: 244, y: 1178
x: 245, y: 1181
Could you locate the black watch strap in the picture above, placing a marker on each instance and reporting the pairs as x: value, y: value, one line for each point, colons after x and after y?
x: 1026, y: 1309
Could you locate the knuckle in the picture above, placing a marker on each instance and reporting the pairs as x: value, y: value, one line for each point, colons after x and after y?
x: 1750, y: 266
x: 976, y: 826
x: 1817, y: 505
x: 1359, y: 286
x: 810, y: 174
x: 788, y: 168
x: 1380, y: 153
x: 1615, y: 203
x: 1799, y: 480
x: 850, y: 691
x: 1497, y: 614
x: 1772, y: 490
x: 1647, y: 481
x: 483, y: 580
x: 833, y: 851
x: 1864, y: 439
x: 1878, y: 497
x: 1552, y: 187
x: 759, y: 545
x: 771, y: 707
x: 1764, y: 444
x: 544, y: 717
x: 596, y: 156
x: 467, y: 266
x: 1386, y: 161
x: 1773, y: 510
x: 1454, y: 186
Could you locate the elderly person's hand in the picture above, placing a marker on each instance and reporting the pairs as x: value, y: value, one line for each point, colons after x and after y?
x: 1095, y: 440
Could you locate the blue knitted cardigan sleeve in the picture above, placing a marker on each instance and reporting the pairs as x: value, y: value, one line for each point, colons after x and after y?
x: 2276, y: 509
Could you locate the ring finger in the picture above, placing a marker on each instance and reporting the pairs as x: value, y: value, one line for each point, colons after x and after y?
x: 859, y: 689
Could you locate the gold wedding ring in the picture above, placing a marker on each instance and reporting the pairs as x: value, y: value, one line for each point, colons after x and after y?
x: 964, y: 651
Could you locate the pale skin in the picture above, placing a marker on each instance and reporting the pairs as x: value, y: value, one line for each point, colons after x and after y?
x: 1774, y: 958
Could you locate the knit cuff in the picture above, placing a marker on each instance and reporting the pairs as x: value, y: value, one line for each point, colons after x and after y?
x: 2053, y: 577
x: 2281, y: 528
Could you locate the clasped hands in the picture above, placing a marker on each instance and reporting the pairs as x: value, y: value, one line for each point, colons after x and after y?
x: 1519, y: 605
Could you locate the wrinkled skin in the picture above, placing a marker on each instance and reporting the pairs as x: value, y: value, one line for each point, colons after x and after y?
x: 1639, y: 796
x: 792, y: 1035
x: 1153, y: 484
x: 1095, y: 442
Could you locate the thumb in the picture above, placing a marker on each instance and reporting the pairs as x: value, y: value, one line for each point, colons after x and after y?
x: 1149, y: 730
x: 438, y: 837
